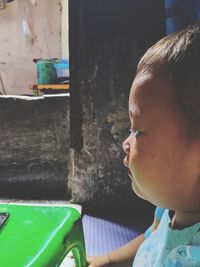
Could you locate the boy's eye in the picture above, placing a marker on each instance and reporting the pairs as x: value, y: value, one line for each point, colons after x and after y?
x: 136, y: 132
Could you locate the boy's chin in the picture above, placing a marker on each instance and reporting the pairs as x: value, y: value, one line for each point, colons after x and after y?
x: 136, y: 190
x: 139, y: 193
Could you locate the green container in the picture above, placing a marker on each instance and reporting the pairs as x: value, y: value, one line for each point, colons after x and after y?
x: 46, y: 71
x: 40, y: 236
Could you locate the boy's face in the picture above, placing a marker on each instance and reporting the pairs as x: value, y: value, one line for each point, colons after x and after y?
x: 162, y: 166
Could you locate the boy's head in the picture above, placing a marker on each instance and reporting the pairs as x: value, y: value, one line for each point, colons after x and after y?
x: 162, y: 151
x: 177, y: 58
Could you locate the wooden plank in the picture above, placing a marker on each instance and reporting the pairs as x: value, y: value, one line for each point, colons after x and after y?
x: 53, y: 86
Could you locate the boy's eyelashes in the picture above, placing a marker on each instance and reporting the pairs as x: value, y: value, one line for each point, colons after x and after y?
x: 135, y: 132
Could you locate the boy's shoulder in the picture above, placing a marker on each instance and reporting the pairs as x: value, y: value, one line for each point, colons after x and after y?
x: 157, y: 218
x: 169, y: 247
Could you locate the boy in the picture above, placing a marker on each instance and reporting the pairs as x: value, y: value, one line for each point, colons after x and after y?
x: 162, y: 154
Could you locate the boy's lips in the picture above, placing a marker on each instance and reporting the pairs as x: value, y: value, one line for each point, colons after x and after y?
x: 129, y: 174
x: 125, y: 161
x: 126, y: 164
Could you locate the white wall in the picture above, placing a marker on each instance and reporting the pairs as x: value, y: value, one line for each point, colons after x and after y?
x: 65, y: 29
x: 17, y: 50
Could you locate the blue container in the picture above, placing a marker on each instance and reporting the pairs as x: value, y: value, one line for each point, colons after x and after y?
x: 180, y: 13
x: 62, y: 69
x: 175, y: 16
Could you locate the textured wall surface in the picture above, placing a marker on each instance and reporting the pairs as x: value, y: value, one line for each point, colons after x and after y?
x: 107, y: 40
x: 34, y: 147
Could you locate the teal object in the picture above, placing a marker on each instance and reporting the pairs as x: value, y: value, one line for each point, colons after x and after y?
x: 46, y: 72
x: 40, y: 236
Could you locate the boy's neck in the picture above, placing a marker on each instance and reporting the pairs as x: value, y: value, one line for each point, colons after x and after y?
x: 183, y: 219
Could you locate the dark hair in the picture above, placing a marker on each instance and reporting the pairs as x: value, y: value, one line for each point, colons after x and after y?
x: 177, y: 57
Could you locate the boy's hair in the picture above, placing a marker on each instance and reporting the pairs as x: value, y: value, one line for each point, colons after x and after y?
x: 177, y: 57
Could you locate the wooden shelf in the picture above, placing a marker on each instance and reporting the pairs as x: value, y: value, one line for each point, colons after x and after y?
x: 39, y: 89
x: 53, y: 86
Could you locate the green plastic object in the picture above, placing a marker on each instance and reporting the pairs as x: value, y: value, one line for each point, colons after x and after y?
x: 40, y: 236
x: 46, y: 71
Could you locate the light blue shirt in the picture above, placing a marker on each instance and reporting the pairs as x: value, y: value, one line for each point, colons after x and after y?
x: 167, y: 247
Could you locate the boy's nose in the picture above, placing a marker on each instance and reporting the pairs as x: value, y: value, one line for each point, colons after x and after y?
x: 126, y: 146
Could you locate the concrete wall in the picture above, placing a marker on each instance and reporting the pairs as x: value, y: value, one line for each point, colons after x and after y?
x: 17, y: 49
x: 107, y: 38
x: 34, y: 147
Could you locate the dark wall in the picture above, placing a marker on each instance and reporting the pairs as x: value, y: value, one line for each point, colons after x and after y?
x: 107, y: 38
x: 34, y: 148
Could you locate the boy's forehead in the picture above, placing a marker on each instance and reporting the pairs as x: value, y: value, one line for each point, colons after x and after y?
x: 138, y: 94
x: 147, y: 91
